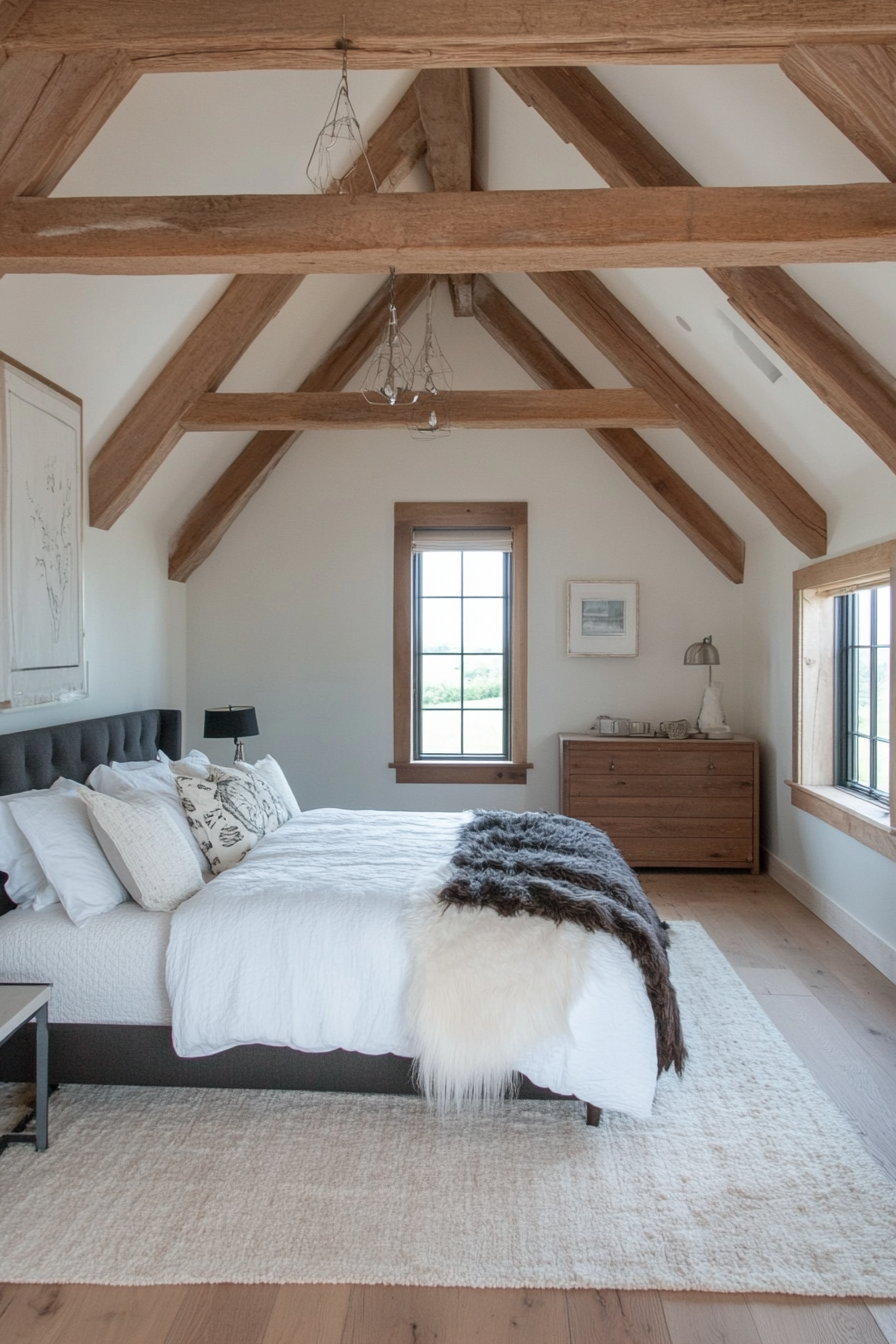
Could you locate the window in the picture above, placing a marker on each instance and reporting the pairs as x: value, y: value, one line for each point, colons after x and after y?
x: 460, y: 646
x: 863, y: 692
x: 844, y: 696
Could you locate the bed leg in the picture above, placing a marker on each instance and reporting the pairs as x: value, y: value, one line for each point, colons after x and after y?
x: 592, y: 1114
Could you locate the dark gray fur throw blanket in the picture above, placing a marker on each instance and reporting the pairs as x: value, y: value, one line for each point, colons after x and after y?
x: 540, y: 863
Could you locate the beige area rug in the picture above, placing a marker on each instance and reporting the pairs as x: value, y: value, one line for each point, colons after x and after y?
x: 746, y: 1179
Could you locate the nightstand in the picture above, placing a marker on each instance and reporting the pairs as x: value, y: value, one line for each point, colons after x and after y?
x: 18, y: 1005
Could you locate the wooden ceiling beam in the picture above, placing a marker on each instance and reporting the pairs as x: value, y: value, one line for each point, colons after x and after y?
x: 855, y: 88
x: 80, y: 95
x: 10, y: 13
x: 137, y: 448
x: 568, y: 409
x: 446, y: 111
x: 450, y: 232
x: 23, y: 79
x: 392, y: 34
x: 641, y: 359
x: 855, y: 386
x: 134, y: 451
x: 642, y: 465
x: 219, y: 508
x: 395, y: 147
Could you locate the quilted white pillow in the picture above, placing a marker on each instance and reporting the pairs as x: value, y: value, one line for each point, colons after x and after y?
x: 153, y: 777
x: 154, y: 862
x: 229, y: 812
x: 58, y: 829
x: 271, y: 772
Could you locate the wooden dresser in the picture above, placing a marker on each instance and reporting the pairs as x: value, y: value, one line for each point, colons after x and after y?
x: 667, y: 804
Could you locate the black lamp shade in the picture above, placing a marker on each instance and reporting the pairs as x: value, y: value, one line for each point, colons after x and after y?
x: 231, y: 721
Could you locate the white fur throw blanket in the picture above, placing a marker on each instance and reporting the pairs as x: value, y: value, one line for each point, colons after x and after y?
x: 500, y: 949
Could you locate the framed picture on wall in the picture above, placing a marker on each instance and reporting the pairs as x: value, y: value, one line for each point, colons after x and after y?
x: 602, y: 618
x: 41, y: 508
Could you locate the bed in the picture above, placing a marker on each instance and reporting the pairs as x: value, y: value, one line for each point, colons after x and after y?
x: 112, y: 1016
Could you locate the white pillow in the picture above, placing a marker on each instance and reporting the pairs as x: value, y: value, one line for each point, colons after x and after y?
x: 230, y: 811
x: 26, y: 883
x: 156, y: 778
x: 147, y: 852
x: 57, y: 826
x: 270, y: 771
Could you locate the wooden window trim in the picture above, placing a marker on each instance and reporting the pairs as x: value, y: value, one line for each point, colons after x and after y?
x: 812, y: 788
x: 459, y: 515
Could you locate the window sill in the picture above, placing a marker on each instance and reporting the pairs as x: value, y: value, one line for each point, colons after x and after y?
x: 864, y: 821
x: 460, y: 772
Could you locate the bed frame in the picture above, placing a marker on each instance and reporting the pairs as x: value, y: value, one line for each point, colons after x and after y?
x: 93, y: 1053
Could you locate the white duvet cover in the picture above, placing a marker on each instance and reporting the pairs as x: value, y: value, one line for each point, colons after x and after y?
x: 305, y: 944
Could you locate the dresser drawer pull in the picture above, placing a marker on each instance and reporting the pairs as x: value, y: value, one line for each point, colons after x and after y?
x: 612, y: 766
x: 712, y: 765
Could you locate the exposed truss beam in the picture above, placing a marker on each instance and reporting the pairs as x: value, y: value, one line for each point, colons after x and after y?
x: 133, y: 453
x: 140, y: 444
x: 10, y: 13
x: 49, y: 116
x: 855, y: 87
x: 450, y: 233
x: 851, y: 382
x: 446, y: 111
x: 644, y: 467
x: 222, y: 505
x: 22, y: 81
x: 626, y: 343
x: 395, y: 147
x: 230, y: 34
x: 568, y: 409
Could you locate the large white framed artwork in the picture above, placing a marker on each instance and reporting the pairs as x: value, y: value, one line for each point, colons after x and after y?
x: 602, y: 618
x: 41, y: 526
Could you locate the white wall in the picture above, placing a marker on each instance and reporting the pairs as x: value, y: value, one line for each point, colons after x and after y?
x: 80, y: 333
x: 293, y: 612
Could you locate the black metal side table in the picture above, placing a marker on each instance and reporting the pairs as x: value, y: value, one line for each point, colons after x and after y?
x: 18, y: 1005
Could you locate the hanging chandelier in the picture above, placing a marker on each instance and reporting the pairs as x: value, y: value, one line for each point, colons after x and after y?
x: 390, y: 373
x: 339, y: 151
x: 433, y: 380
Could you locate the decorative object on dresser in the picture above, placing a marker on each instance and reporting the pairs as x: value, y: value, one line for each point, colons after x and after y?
x: 20, y: 1004
x: 711, y: 719
x: 236, y: 721
x: 41, y: 507
x: 602, y: 618
x: 667, y: 804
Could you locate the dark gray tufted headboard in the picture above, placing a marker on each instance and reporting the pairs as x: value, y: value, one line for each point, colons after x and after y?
x: 35, y: 758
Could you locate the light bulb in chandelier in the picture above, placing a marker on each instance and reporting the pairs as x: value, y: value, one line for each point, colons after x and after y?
x: 339, y: 164
x: 390, y: 373
x: 433, y: 379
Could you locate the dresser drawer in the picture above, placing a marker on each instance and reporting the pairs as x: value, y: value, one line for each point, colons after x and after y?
x: 665, y: 853
x: 676, y: 759
x: 664, y: 803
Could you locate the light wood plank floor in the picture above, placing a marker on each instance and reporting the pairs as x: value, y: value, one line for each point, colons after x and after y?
x: 837, y: 1012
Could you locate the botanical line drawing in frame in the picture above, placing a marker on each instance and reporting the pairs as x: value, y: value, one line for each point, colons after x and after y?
x: 602, y: 618
x: 41, y: 526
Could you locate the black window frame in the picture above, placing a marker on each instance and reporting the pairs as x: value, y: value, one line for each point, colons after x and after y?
x: 418, y: 654
x: 846, y: 734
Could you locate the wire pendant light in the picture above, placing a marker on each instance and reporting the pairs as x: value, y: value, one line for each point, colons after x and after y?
x: 390, y: 373
x: 339, y: 151
x: 433, y: 379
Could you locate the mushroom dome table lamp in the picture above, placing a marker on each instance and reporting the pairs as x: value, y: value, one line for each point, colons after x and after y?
x: 711, y: 718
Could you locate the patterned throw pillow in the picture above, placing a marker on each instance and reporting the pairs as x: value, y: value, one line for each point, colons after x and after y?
x: 229, y: 813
